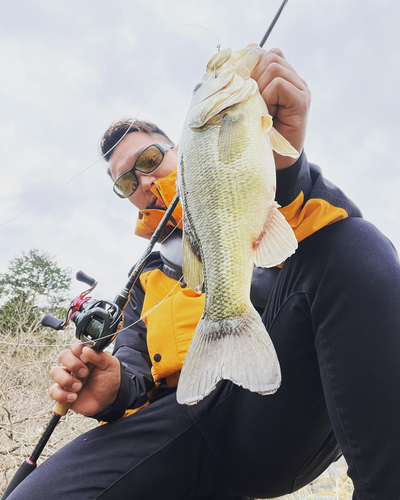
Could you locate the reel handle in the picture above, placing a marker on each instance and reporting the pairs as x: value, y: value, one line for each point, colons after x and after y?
x: 84, y: 278
x: 61, y: 409
x: 52, y: 322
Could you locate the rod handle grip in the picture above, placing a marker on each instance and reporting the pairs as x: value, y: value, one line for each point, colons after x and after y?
x: 62, y: 408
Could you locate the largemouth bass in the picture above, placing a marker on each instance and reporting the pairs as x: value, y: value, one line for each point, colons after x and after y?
x: 226, y: 183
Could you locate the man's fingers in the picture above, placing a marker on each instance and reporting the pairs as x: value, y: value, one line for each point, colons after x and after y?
x: 273, y: 67
x: 283, y: 93
x: 76, y: 347
x: 73, y: 364
x: 61, y: 395
x: 65, y: 380
x: 273, y: 55
x: 102, y: 360
x: 277, y: 71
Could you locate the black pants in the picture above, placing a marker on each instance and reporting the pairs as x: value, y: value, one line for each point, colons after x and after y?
x: 334, y: 317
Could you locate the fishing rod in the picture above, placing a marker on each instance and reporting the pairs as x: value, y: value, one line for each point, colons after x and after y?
x: 97, y: 322
x: 271, y: 26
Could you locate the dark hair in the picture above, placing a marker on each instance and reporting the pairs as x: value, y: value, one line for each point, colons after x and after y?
x: 117, y: 130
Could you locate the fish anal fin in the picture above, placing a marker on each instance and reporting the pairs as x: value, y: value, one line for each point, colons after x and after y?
x: 232, y: 140
x: 236, y: 349
x: 192, y: 267
x: 277, y: 241
x: 281, y: 145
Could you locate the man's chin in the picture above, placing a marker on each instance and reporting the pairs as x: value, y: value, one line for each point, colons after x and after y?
x: 156, y: 207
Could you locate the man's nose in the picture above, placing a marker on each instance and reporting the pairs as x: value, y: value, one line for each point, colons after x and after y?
x: 146, y: 181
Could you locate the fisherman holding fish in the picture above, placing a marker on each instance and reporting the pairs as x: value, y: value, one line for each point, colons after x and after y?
x: 293, y: 362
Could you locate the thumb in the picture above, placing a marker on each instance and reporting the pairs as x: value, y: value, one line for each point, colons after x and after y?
x: 100, y: 359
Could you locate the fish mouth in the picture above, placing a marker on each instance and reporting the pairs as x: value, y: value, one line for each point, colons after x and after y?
x: 222, y: 88
x: 205, y: 111
x: 232, y: 85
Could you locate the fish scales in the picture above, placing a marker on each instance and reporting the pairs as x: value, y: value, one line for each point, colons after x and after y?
x: 222, y: 217
x: 226, y: 183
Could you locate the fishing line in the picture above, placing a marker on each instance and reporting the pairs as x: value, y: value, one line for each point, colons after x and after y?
x: 4, y: 342
x: 127, y: 131
x: 122, y: 329
x: 169, y: 234
x: 94, y: 163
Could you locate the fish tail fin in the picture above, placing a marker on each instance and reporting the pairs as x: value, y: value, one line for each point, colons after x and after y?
x: 239, y: 350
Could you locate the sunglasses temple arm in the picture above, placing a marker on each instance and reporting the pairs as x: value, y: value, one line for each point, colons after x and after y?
x: 123, y: 297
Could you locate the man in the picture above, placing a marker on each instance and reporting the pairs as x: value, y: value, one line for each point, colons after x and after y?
x: 331, y: 311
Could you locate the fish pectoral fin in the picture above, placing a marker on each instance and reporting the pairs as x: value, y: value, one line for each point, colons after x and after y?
x: 192, y: 267
x: 277, y: 241
x: 266, y: 123
x: 232, y: 140
x: 281, y: 145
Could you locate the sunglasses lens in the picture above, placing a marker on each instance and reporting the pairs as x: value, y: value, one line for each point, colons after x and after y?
x: 146, y: 163
x: 126, y: 185
x: 149, y: 160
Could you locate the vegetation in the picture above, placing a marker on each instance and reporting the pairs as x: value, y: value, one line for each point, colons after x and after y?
x: 25, y: 405
x: 34, y: 285
x: 333, y: 484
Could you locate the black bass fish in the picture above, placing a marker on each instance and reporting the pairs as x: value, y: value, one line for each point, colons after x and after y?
x: 226, y: 183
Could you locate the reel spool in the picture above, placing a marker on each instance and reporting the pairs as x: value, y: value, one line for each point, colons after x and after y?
x: 97, y: 322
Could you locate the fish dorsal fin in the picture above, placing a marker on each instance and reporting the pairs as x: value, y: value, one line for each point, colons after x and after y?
x: 232, y: 140
x: 192, y: 267
x: 280, y: 144
x: 277, y: 241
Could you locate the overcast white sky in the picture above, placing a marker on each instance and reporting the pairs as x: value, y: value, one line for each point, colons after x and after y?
x: 70, y: 67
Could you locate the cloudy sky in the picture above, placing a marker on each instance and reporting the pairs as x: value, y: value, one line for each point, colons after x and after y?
x: 70, y: 67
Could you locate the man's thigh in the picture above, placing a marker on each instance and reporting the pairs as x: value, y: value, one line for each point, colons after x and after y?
x: 157, y: 453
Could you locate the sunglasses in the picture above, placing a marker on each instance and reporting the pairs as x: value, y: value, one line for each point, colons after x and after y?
x: 148, y: 160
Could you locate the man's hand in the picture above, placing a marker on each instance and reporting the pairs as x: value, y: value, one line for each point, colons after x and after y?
x: 287, y: 97
x: 100, y: 390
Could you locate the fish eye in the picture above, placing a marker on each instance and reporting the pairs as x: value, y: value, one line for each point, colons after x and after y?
x: 197, y: 87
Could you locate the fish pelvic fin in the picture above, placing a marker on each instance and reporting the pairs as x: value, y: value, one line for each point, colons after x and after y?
x: 192, y: 267
x: 280, y: 144
x: 239, y: 350
x: 277, y: 241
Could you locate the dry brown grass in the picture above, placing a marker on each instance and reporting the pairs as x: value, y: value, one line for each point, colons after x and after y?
x: 26, y: 408
x: 333, y: 484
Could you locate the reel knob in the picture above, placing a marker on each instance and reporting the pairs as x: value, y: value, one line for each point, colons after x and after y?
x: 84, y: 278
x: 52, y: 322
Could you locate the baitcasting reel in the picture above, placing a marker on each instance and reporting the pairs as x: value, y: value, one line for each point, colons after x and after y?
x: 97, y: 322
